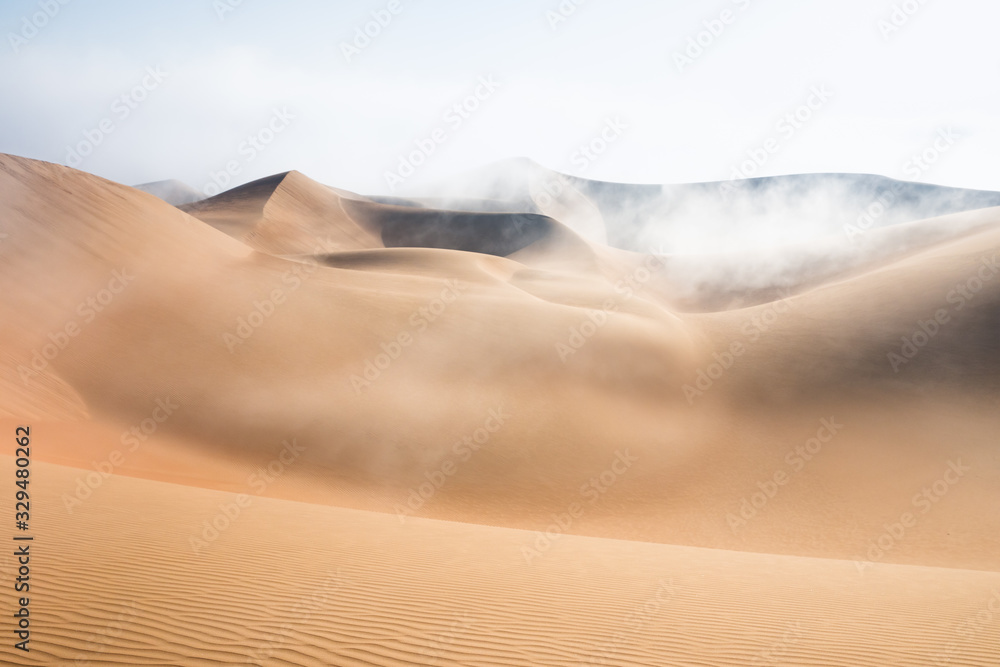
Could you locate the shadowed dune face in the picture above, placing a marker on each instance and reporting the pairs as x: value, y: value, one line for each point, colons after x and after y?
x: 488, y: 233
x: 243, y: 205
x: 524, y: 359
x: 922, y: 324
x: 288, y: 214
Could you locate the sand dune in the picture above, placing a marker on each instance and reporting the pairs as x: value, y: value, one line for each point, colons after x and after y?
x: 119, y: 582
x: 285, y: 214
x: 289, y: 214
x: 814, y: 445
x: 694, y: 217
x: 736, y: 244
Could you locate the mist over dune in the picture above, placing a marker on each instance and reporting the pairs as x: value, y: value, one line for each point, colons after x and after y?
x: 734, y: 214
x: 738, y: 242
x: 173, y: 192
x: 542, y: 375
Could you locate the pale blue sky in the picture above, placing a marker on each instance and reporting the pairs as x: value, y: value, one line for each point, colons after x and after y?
x: 558, y: 87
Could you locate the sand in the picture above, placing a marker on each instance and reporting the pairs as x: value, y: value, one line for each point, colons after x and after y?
x: 292, y: 583
x: 507, y: 438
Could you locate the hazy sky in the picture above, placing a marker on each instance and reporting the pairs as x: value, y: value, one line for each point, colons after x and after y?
x: 609, y: 74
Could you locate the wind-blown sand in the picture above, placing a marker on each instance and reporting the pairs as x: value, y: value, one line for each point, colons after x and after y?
x: 505, y: 436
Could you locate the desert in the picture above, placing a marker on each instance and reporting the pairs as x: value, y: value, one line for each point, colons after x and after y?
x: 584, y: 346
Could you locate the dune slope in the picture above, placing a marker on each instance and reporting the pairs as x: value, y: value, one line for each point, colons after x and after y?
x: 129, y: 578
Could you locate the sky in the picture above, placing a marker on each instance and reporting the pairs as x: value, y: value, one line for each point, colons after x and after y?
x: 389, y: 96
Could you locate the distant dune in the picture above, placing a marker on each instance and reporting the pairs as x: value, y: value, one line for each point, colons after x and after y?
x: 699, y: 217
x: 468, y: 431
x: 172, y: 192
